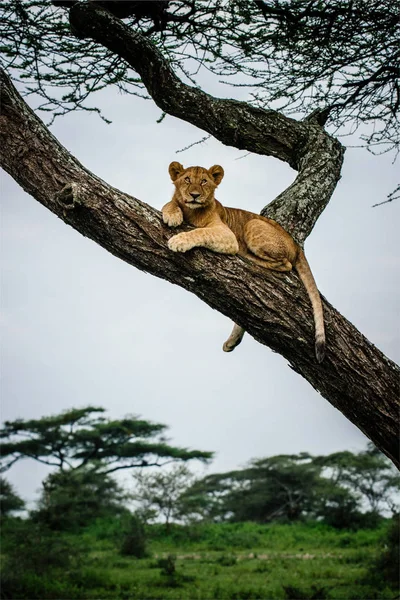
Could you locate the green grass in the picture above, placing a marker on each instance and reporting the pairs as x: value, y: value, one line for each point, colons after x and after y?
x: 218, y: 561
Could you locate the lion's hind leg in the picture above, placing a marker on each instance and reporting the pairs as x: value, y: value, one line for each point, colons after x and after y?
x: 267, y: 246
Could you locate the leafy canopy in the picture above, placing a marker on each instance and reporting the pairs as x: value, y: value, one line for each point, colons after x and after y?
x: 82, y: 436
x: 74, y: 498
x: 337, y: 488
x: 10, y: 502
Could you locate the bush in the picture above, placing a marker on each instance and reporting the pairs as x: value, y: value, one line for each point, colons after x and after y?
x: 386, y: 567
x: 134, y: 540
x: 295, y: 593
x: 171, y: 577
x: 35, y: 563
x: 227, y: 560
x: 30, y: 547
x: 167, y: 565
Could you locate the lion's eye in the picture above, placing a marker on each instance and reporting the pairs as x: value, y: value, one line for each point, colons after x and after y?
x: 203, y: 181
x: 187, y: 179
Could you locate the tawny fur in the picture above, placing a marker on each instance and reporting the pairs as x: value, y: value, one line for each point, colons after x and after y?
x: 235, y: 231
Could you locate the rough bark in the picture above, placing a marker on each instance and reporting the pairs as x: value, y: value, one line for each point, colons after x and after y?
x: 355, y: 376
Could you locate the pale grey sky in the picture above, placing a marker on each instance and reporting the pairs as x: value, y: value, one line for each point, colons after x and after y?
x: 81, y: 327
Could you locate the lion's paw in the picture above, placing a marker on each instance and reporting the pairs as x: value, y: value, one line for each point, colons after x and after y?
x: 179, y: 243
x: 173, y: 219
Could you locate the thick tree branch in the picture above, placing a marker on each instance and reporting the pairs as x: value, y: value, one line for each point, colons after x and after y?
x: 303, y: 144
x: 355, y: 376
x: 233, y: 123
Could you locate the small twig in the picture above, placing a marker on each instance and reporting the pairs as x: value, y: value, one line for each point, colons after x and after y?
x: 194, y: 144
x: 390, y: 197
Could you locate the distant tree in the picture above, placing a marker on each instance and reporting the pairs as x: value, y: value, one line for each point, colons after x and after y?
x: 72, y: 499
x: 334, y: 488
x: 79, y: 437
x: 368, y: 474
x: 158, y: 494
x: 281, y: 487
x: 10, y: 502
x: 209, y: 498
x: 339, y: 507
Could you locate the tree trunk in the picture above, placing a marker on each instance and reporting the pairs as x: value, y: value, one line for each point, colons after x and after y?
x: 355, y: 376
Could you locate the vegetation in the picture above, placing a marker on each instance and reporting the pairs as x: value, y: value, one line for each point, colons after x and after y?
x: 72, y: 499
x: 345, y: 490
x: 10, y: 502
x: 134, y: 542
x: 222, y: 561
x: 288, y: 526
x: 160, y: 494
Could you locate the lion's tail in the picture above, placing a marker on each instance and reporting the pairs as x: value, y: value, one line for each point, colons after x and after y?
x: 305, y: 274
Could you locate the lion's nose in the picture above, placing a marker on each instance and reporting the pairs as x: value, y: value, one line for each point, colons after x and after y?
x: 194, y: 196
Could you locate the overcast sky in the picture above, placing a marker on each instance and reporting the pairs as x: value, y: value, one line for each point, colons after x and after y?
x: 81, y: 327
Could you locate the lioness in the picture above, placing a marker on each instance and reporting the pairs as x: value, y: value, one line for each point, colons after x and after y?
x: 232, y: 231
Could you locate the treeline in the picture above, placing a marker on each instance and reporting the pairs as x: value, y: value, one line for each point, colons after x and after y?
x: 344, y: 489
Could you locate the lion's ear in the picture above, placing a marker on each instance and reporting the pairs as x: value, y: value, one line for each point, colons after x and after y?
x: 217, y: 173
x: 175, y: 169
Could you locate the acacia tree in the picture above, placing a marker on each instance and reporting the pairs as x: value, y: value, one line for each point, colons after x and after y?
x: 355, y: 376
x: 342, y: 56
x: 368, y: 474
x: 81, y: 437
x: 283, y: 487
x: 335, y: 488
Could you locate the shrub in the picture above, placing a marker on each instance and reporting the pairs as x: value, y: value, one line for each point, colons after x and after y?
x: 167, y: 565
x: 171, y: 577
x: 295, y: 593
x: 36, y: 562
x: 227, y: 560
x: 134, y: 541
x: 386, y: 567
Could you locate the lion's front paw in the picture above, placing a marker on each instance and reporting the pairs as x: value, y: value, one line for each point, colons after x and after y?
x: 179, y: 243
x: 173, y: 219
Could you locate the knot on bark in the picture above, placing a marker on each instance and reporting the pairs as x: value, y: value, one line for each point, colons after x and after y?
x: 68, y: 197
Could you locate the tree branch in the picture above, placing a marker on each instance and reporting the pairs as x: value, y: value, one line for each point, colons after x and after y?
x: 304, y: 145
x: 139, y: 465
x: 355, y: 377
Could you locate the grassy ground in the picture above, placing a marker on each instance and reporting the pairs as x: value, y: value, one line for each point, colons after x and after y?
x: 221, y: 561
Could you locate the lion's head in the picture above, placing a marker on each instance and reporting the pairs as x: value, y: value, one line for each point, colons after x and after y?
x: 195, y: 185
